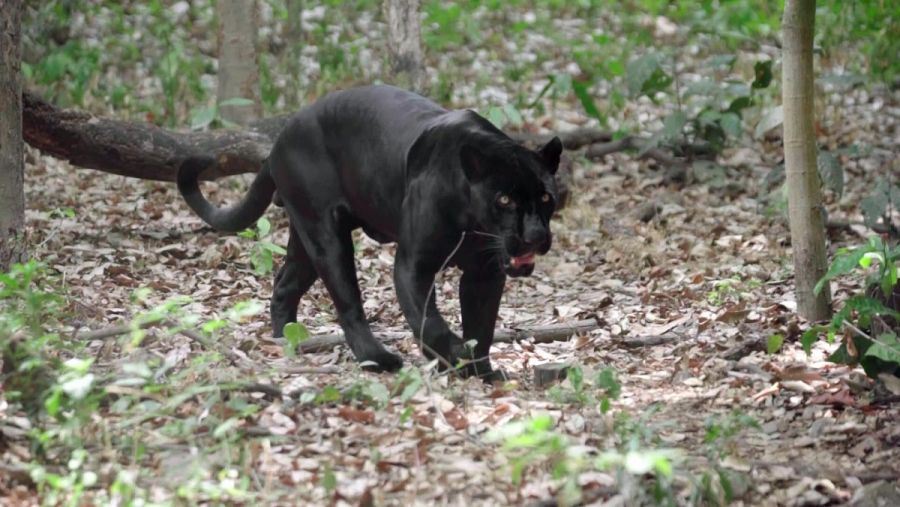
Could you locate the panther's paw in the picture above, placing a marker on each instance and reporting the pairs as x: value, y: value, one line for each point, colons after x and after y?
x: 381, y: 360
x: 495, y: 376
x: 482, y: 369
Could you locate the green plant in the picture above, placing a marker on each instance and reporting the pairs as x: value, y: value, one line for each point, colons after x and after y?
x: 730, y: 289
x: 76, y: 406
x: 295, y: 334
x: 55, y: 488
x: 871, y: 318
x: 600, y: 390
x: 709, y: 113
x: 505, y: 115
x: 871, y: 27
x: 68, y: 72
x: 262, y: 252
x: 718, y: 485
x: 532, y: 442
x: 881, y: 203
x: 29, y: 304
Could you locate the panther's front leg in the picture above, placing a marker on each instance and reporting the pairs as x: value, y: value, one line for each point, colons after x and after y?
x: 480, y: 291
x: 413, y: 279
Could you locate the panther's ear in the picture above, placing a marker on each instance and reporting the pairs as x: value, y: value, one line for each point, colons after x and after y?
x: 421, y: 153
x: 550, y: 152
x: 473, y: 162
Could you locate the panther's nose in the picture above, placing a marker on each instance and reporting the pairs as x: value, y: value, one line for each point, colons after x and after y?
x: 535, y: 241
x: 535, y: 235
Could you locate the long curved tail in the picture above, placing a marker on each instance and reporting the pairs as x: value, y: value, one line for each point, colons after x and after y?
x: 236, y: 217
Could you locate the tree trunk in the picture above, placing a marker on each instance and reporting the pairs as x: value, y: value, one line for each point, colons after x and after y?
x: 293, y: 37
x: 238, y: 59
x: 12, y: 163
x: 804, y: 194
x: 405, y: 42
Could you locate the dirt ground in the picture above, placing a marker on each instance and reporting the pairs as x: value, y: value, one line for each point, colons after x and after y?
x: 685, y: 302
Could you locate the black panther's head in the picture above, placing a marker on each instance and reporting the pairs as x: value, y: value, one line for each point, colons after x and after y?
x: 512, y: 197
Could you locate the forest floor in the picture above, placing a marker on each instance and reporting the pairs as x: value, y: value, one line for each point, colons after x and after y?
x: 708, y: 275
x: 686, y: 298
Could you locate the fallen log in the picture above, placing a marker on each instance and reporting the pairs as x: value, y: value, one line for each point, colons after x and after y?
x: 141, y: 149
x: 145, y: 151
x: 541, y: 334
x: 325, y: 342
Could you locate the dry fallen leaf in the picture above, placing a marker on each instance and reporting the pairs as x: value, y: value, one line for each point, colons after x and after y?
x: 456, y: 419
x: 356, y: 415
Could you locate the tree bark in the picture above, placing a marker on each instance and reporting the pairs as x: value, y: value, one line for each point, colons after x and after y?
x: 142, y: 150
x: 804, y: 193
x: 12, y: 163
x: 405, y: 42
x: 238, y: 59
x: 293, y: 36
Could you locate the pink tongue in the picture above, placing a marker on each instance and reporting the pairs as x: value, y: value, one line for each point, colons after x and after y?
x: 523, y: 260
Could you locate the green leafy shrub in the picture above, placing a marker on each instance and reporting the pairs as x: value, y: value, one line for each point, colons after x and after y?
x: 262, y: 252
x: 871, y: 318
x: 600, y: 391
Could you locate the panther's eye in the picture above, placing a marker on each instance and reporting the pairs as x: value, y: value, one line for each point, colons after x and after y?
x: 545, y: 198
x: 504, y: 200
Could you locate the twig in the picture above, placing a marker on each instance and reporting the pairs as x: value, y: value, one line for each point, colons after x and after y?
x: 255, y: 387
x: 424, y: 346
x: 255, y: 431
x: 206, y: 343
x: 117, y: 330
x: 17, y: 473
x: 121, y: 329
x: 886, y: 228
x: 649, y: 340
x: 311, y: 370
x: 859, y: 332
x: 745, y: 348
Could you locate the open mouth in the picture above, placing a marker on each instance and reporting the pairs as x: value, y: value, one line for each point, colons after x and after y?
x: 522, y: 261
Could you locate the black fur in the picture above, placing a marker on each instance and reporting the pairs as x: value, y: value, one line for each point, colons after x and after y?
x: 405, y: 170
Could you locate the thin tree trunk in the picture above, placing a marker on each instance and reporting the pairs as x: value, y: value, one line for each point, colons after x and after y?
x: 405, y: 42
x: 12, y: 164
x: 804, y: 194
x: 293, y: 37
x: 238, y: 59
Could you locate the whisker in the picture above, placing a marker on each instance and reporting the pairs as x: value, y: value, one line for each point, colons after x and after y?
x: 494, y: 247
x: 486, y: 234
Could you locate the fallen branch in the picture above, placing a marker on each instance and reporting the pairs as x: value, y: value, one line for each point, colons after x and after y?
x: 311, y: 370
x: 649, y: 340
x: 571, y: 140
x: 255, y: 387
x: 117, y: 330
x: 143, y: 150
x: 541, y: 334
x: 847, y: 225
x: 140, y: 149
x: 600, y: 150
x: 120, y: 329
x: 745, y: 348
x: 204, y: 342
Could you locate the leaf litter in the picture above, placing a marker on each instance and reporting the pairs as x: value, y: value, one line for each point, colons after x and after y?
x: 709, y: 272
